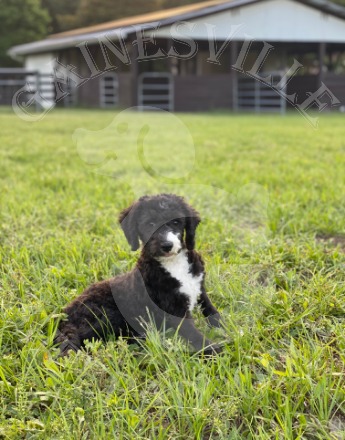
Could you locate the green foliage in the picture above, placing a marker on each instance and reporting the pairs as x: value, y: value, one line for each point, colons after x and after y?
x: 79, y: 13
x: 22, y: 21
x: 56, y: 9
x: 281, y: 292
x: 88, y: 12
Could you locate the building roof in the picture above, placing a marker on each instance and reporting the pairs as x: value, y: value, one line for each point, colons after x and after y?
x: 197, y: 10
x: 142, y: 19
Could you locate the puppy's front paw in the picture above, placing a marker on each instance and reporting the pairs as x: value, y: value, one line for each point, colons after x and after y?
x: 67, y: 346
x: 215, y: 321
x: 211, y: 350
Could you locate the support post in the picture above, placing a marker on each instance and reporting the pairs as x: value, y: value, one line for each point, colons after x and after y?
x: 134, y: 69
x: 234, y: 74
x: 322, y: 54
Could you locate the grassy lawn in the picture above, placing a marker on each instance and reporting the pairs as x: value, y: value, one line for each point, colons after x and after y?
x: 270, y: 191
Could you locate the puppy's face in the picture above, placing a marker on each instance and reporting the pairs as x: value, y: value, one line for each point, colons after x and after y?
x: 165, y: 224
x: 161, y: 238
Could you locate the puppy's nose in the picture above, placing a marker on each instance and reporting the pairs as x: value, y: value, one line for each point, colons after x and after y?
x: 167, y: 246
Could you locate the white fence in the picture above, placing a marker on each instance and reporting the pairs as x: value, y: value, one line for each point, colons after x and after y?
x: 156, y: 90
x: 257, y: 96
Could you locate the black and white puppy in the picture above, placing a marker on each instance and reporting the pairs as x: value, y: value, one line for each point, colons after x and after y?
x: 165, y: 285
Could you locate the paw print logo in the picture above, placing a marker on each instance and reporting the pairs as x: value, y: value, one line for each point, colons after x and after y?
x: 145, y: 145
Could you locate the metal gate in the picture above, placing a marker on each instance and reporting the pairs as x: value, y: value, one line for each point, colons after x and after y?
x: 109, y: 90
x: 13, y: 80
x: 156, y: 90
x: 254, y: 95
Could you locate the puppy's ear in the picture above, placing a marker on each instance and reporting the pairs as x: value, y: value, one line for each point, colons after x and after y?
x: 128, y: 222
x: 192, y: 221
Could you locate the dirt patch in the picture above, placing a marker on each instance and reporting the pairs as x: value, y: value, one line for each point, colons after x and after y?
x: 333, y: 240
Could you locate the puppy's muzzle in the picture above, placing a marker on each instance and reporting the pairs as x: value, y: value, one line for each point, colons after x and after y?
x: 167, y: 246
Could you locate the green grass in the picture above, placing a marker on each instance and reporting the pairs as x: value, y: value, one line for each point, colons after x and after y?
x: 271, y: 194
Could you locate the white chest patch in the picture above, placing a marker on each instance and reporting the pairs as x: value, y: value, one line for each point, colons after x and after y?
x: 178, y: 267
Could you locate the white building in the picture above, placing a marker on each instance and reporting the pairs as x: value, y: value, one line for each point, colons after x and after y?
x: 200, y: 57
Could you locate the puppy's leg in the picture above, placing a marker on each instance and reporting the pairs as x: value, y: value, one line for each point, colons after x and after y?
x: 85, y: 322
x: 67, y: 338
x: 209, y: 311
x: 188, y: 331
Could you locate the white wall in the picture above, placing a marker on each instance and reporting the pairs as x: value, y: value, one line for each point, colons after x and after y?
x: 43, y: 64
x: 272, y: 20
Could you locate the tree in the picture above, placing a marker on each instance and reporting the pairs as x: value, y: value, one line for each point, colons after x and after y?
x: 58, y: 9
x: 89, y: 12
x: 71, y: 14
x: 22, y: 21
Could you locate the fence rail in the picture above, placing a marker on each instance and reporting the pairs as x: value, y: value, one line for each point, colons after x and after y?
x: 12, y: 80
x: 254, y: 95
x: 156, y: 90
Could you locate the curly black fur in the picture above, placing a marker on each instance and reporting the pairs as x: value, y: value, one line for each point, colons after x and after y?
x: 120, y: 305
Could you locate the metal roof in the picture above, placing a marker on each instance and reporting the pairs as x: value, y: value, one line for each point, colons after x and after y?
x: 141, y: 19
x: 73, y: 37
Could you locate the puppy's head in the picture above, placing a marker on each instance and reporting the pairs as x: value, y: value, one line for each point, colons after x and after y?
x: 164, y: 223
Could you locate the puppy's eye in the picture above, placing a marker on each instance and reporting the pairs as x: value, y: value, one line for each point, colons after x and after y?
x: 176, y: 222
